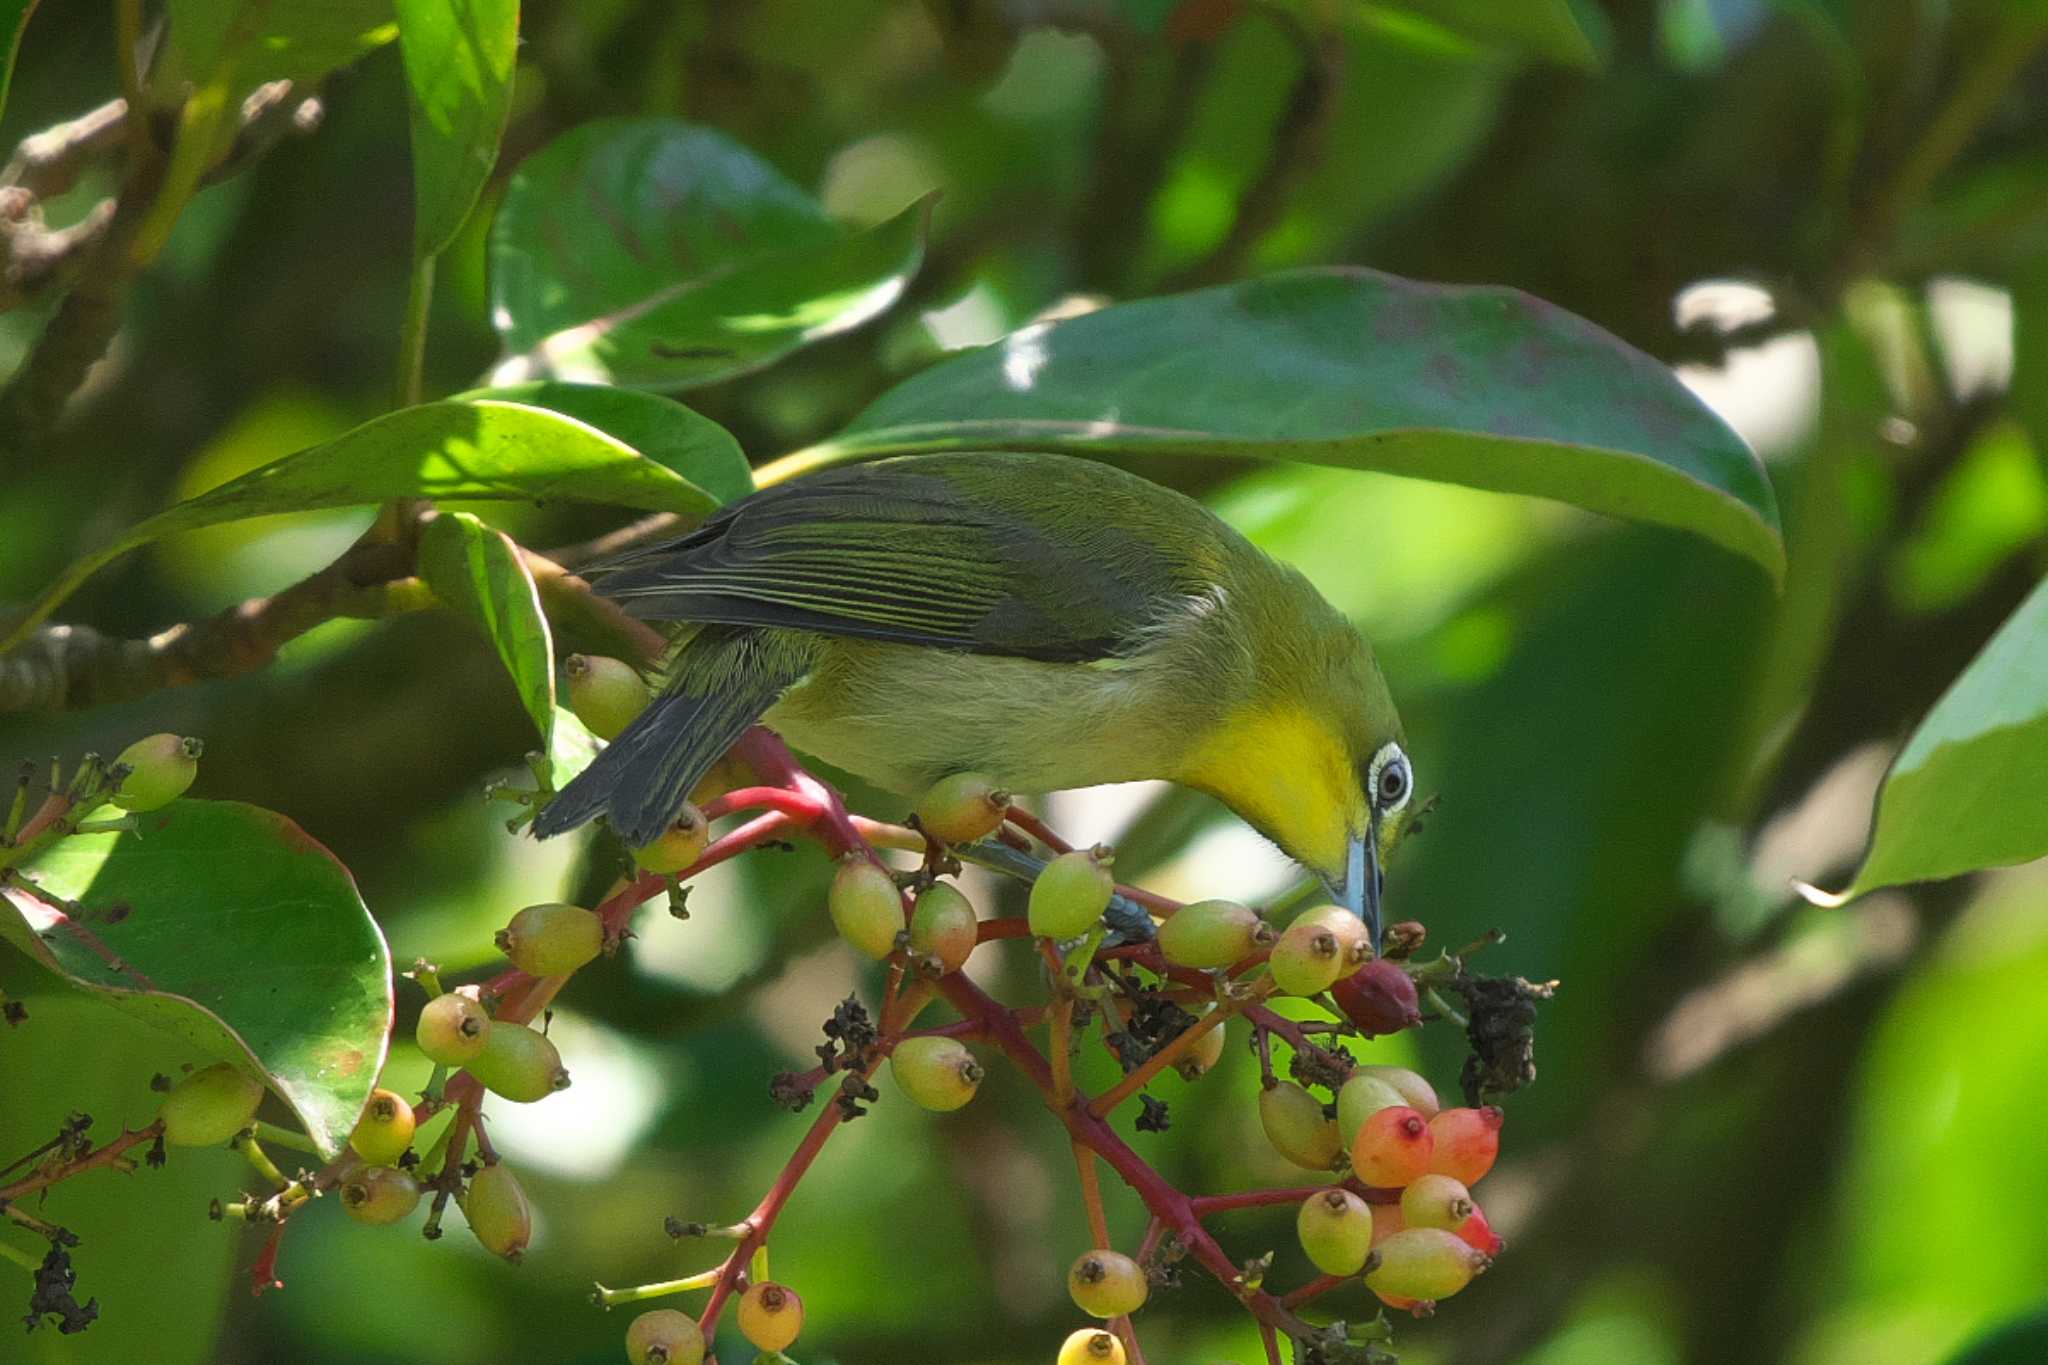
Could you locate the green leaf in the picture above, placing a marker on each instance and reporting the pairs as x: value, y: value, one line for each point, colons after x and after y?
x: 1970, y: 789
x: 13, y: 22
x: 659, y: 255
x: 1544, y: 28
x: 660, y: 428
x: 2021, y: 1342
x: 571, y: 747
x: 1481, y: 386
x: 459, y: 58
x: 478, y: 571
x: 230, y: 927
x: 275, y: 40
x: 477, y: 449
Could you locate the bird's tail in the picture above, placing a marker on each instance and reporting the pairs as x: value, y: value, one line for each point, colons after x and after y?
x: 723, y: 680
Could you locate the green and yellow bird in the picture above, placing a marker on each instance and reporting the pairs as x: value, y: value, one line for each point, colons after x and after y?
x: 1049, y: 621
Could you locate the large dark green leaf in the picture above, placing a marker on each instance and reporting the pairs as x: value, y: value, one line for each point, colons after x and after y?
x: 477, y: 570
x: 480, y: 449
x: 13, y: 20
x: 660, y: 428
x: 1970, y: 789
x: 229, y: 926
x: 2024, y: 1342
x: 272, y: 40
x: 1543, y: 28
x: 657, y: 254
x: 459, y: 56
x: 1479, y: 386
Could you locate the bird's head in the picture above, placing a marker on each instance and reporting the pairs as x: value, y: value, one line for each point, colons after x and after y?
x: 1316, y: 762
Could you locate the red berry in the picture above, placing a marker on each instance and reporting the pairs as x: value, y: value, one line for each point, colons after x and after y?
x: 1392, y: 1148
x: 552, y: 939
x: 606, y: 694
x: 1358, y: 1099
x: 1071, y: 893
x: 939, y: 1074
x: 498, y: 1212
x: 866, y: 907
x: 1335, y: 1228
x: 771, y: 1315
x: 1297, y: 1127
x: 1092, y: 1346
x: 380, y: 1194
x: 1211, y: 934
x: 664, y: 1337
x: 1107, y: 1284
x: 962, y: 808
x: 942, y: 926
x: 1467, y: 1141
x: 1307, y: 960
x: 1379, y: 997
x: 385, y: 1130
x: 453, y: 1029
x: 1423, y: 1264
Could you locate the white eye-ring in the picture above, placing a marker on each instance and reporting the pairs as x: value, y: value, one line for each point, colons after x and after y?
x: 1389, y: 779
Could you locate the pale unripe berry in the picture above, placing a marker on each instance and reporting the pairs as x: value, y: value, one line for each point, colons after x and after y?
x: 519, y: 1063
x: 1297, y: 1127
x: 1106, y: 1284
x: 1352, y: 935
x: 498, y: 1212
x: 962, y: 808
x: 1203, y: 1054
x: 160, y: 768
x: 1467, y: 1141
x: 1416, y: 1092
x: 1440, y: 1201
x: 606, y: 694
x: 1424, y: 1264
x: 771, y: 1315
x: 453, y: 1029
x: 664, y: 1337
x: 1379, y: 997
x: 866, y: 907
x: 380, y: 1194
x: 943, y: 926
x: 210, y: 1106
x: 1335, y: 1228
x: 1212, y: 934
x: 551, y: 939
x: 1070, y: 895
x: 1393, y: 1147
x: 385, y: 1130
x: 1092, y: 1346
x: 1307, y: 960
x: 682, y: 844
x: 1358, y: 1099
x: 939, y: 1074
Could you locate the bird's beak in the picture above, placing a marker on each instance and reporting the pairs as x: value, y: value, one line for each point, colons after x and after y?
x: 1359, y: 889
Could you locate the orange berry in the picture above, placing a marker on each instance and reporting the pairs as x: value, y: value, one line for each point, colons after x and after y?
x: 1392, y: 1148
x: 1467, y: 1141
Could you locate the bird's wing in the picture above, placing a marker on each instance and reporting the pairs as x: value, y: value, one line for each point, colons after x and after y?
x: 903, y: 554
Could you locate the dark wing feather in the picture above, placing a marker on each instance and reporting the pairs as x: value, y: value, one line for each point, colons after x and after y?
x: 906, y: 551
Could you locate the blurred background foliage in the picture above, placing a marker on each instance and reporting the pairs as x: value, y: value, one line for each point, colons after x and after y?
x: 1763, y: 1132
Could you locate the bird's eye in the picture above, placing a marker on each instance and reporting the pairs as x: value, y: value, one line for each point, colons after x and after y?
x: 1391, y: 782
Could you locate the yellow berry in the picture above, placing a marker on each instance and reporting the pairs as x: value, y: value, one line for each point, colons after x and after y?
x: 1092, y: 1346
x: 1297, y: 1127
x: 939, y: 1074
x: 771, y: 1315
x: 453, y: 1029
x: 498, y: 1212
x: 1106, y: 1284
x: 160, y: 768
x: 552, y: 939
x: 682, y: 844
x: 866, y: 907
x: 664, y: 1337
x: 1070, y: 893
x: 385, y: 1130
x: 379, y: 1195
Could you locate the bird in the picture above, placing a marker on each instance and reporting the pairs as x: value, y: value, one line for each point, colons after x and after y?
x: 1047, y: 620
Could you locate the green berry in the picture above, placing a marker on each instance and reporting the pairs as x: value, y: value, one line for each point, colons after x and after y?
x: 453, y: 1029
x: 1092, y: 1346
x: 1106, y: 1284
x: 380, y: 1194
x: 519, y: 1063
x: 1393, y: 1148
x: 1439, y: 1201
x: 1467, y: 1141
x: 160, y: 768
x: 1071, y: 893
x: 683, y: 844
x: 866, y: 907
x: 664, y: 1337
x: 1212, y: 934
x: 606, y: 694
x: 210, y: 1106
x: 385, y: 1130
x: 1335, y: 1227
x: 1424, y: 1264
x: 1352, y: 935
x: 771, y: 1315
x: 552, y: 939
x: 943, y: 926
x: 939, y: 1074
x: 1416, y: 1092
x: 1359, y: 1098
x: 962, y: 808
x: 1297, y: 1127
x: 1307, y: 960
x: 498, y: 1212
x: 1202, y: 1054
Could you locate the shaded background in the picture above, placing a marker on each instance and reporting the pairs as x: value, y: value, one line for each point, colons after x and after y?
x: 1762, y: 1132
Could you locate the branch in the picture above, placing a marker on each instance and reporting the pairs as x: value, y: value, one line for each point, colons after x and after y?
x: 108, y: 1155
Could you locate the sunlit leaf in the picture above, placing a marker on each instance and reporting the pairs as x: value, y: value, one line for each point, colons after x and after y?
x: 274, y: 40
x: 1970, y: 789
x: 660, y: 255
x: 478, y: 571
x: 660, y: 428
x: 230, y: 927
x: 479, y: 449
x: 1479, y: 386
x: 459, y: 56
x: 1543, y: 28
x: 13, y: 20
x: 571, y: 747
